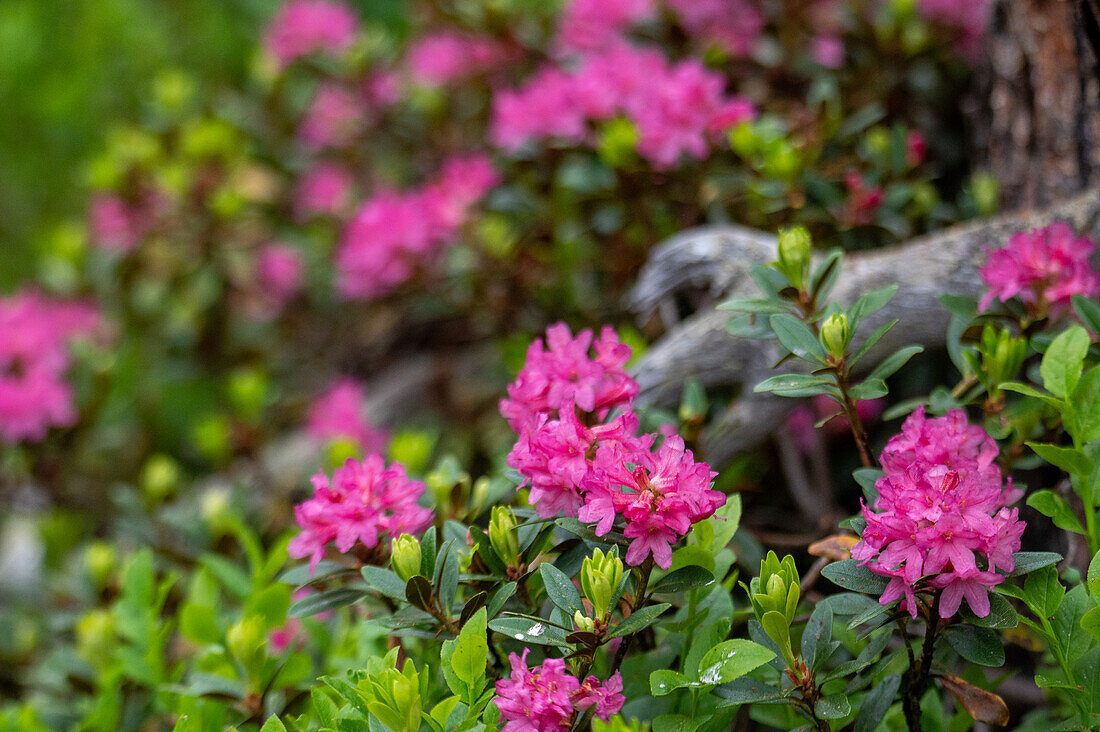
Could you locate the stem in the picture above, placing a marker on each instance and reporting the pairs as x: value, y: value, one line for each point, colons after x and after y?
x: 916, y: 678
x: 854, y: 422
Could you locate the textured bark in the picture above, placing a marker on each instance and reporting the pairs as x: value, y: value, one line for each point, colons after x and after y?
x: 1035, y: 114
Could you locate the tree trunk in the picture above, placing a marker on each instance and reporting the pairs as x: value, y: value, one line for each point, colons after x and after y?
x: 1035, y: 113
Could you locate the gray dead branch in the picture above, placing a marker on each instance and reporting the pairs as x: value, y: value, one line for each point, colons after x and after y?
x: 712, y: 263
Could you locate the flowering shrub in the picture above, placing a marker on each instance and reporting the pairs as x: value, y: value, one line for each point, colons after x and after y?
x: 391, y: 212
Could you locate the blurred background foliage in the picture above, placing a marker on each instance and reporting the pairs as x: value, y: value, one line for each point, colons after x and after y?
x: 71, y: 68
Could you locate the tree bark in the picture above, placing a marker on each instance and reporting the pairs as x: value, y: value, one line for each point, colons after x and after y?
x: 1035, y: 112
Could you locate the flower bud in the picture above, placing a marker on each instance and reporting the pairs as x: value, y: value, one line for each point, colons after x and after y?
x: 95, y: 635
x: 601, y: 575
x: 584, y: 623
x: 986, y: 190
x: 504, y: 535
x: 795, y: 246
x: 405, y: 557
x: 394, y: 697
x: 160, y: 476
x: 245, y: 638
x: 216, y: 509
x: 248, y: 392
x: 100, y: 561
x: 835, y: 335
x: 1002, y: 356
x: 780, y: 583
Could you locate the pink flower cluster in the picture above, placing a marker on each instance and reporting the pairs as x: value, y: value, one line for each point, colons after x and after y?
x: 676, y: 107
x: 446, y: 57
x: 941, y: 508
x: 599, y: 470
x: 334, y: 119
x: 338, y: 414
x: 1045, y: 267
x: 34, y: 395
x: 363, y: 501
x: 394, y: 232
x: 970, y: 18
x: 591, y: 25
x: 324, y: 190
x: 733, y: 25
x: 546, y: 698
x: 302, y: 27
x: 279, y: 270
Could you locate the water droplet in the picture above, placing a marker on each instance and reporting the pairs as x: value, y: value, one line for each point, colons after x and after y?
x: 536, y: 630
x: 519, y: 636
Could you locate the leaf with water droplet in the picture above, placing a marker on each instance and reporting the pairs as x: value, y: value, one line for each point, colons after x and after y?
x: 732, y: 659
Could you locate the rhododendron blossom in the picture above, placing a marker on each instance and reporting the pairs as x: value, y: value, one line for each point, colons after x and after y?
x: 446, y: 57
x: 734, y: 25
x: 324, y: 190
x: 970, y: 18
x: 334, y: 119
x: 115, y: 225
x: 362, y: 502
x: 338, y: 414
x: 943, y: 511
x: 546, y: 698
x: 279, y: 268
x: 1045, y: 267
x: 561, y: 373
x: 34, y: 395
x: 302, y: 27
x: 395, y: 232
x: 589, y: 25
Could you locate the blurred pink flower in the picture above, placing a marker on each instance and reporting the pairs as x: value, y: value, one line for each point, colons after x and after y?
x: 338, y: 414
x: 546, y: 698
x: 115, y: 225
x: 335, y: 118
x: 442, y: 58
x: 863, y: 200
x: 324, y: 190
x: 1044, y: 267
x: 34, y: 395
x: 302, y: 27
x: 828, y: 51
x: 734, y: 25
x: 970, y: 18
x: 591, y: 25
x: 279, y: 268
x: 363, y: 502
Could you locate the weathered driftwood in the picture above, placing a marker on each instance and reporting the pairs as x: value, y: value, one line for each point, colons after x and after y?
x: 714, y: 262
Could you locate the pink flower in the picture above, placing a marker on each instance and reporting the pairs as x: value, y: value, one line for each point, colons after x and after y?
x: 863, y: 200
x: 545, y: 698
x: 916, y: 148
x: 678, y: 114
x: 941, y: 511
x: 544, y: 107
x: 338, y: 414
x: 335, y: 118
x: 665, y: 493
x: 34, y: 395
x: 115, y: 225
x: 1043, y: 268
x: 828, y: 50
x: 734, y: 25
x: 562, y: 373
x: 302, y: 27
x: 440, y: 59
x: 324, y: 190
x: 589, y: 25
x: 970, y: 19
x: 279, y: 267
x: 393, y: 232
x: 363, y: 502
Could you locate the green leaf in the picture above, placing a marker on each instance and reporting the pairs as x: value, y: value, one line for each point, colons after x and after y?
x: 560, y: 588
x: 892, y: 363
x: 639, y: 619
x: 877, y: 703
x: 324, y: 706
x: 1067, y: 626
x: 754, y: 305
x: 664, y: 681
x: 1025, y: 562
x: 526, y: 630
x: 324, y: 601
x: 796, y: 385
x: 471, y: 651
x: 1090, y: 622
x: 383, y: 581
x: 1093, y: 576
x: 797, y: 338
x: 273, y: 725
x: 1062, y: 363
x: 850, y: 575
x: 732, y: 659
x: 501, y: 596
x: 871, y: 303
x: 683, y: 579
x: 872, y: 339
x: 1053, y: 505
x: 964, y: 307
x: 817, y: 635
x: 418, y: 593
x: 1001, y: 614
x: 1068, y: 459
x: 825, y: 276
x: 977, y: 645
x: 1085, y: 404
x: 869, y: 389
x: 1032, y: 392
x: 1043, y: 591
x: 271, y: 604
x: 833, y: 707
x: 199, y: 623
x: 746, y: 690
x: 139, y: 580
x: 1088, y: 311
